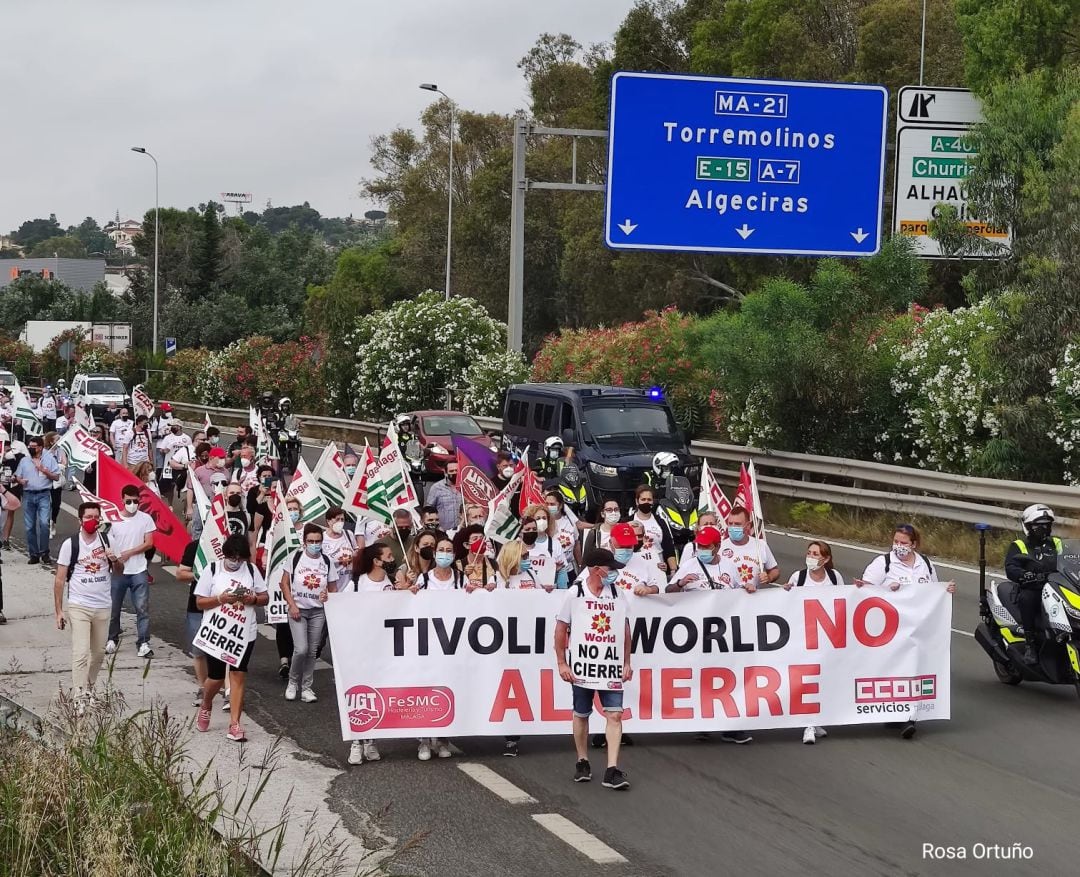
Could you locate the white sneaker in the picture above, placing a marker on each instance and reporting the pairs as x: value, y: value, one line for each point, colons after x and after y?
x: 820, y: 732
x: 145, y: 651
x: 110, y: 647
x: 290, y: 692
x: 442, y: 749
x: 809, y: 736
x: 356, y: 752
x: 52, y: 531
x: 225, y: 704
x: 308, y: 696
x: 371, y: 751
x: 424, y: 751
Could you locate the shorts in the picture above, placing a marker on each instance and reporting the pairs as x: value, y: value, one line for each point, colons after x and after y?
x: 215, y: 669
x: 191, y: 629
x: 610, y: 701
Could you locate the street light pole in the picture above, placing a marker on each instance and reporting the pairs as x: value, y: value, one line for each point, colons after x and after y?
x: 157, y: 206
x: 430, y: 86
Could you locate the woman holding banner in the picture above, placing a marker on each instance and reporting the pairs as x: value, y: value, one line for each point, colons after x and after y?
x: 228, y: 592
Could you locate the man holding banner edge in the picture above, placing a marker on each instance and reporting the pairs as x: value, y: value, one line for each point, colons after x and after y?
x: 592, y: 630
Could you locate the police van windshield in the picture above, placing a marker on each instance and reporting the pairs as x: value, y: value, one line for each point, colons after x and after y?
x: 105, y: 387
x: 630, y: 421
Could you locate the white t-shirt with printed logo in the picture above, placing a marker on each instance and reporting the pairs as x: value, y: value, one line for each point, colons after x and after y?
x: 742, y: 565
x: 545, y: 560
x: 138, y: 448
x: 899, y: 572
x: 367, y: 584
x: 91, y: 580
x: 640, y: 571
x: 308, y: 579
x: 215, y: 579
x: 566, y: 535
x: 710, y: 576
x: 340, y: 550
x: 654, y: 536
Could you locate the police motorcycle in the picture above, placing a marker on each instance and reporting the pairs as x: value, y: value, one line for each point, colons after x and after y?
x: 287, y: 435
x: 676, y: 501
x: 413, y: 454
x: 1056, y: 644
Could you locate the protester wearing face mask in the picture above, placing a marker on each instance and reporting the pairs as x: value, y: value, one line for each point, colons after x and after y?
x: 82, y: 569
x: 213, y: 436
x: 199, y: 470
x: 705, y: 519
x: 131, y: 537
x: 446, y: 497
x: 89, y: 475
x: 442, y: 574
x: 137, y: 448
x: 429, y: 518
x: 420, y: 557
x: 235, y: 581
x: 748, y: 561
x: 504, y: 469
x: 176, y: 452
x: 565, y: 527
x: 244, y: 471
x: 703, y: 572
x: 38, y: 472
x: 402, y: 534
x: 57, y: 495
x: 237, y: 520
x: 160, y: 428
x: 599, y: 536
x: 258, y: 508
x: 548, y: 563
x: 473, y: 556
x: 515, y: 568
x: 305, y: 584
x: 120, y: 431
x: 340, y: 546
x: 657, y: 532
x: 638, y: 574
x: 597, y: 580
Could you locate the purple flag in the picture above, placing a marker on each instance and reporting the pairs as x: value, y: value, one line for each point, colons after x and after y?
x: 478, y: 455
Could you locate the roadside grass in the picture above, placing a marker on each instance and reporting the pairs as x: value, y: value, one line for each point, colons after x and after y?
x: 947, y: 540
x: 112, y: 794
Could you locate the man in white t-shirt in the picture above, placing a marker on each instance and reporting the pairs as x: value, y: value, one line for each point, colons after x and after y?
x: 639, y: 575
x: 130, y: 539
x: 746, y: 560
x: 703, y: 571
x: 120, y: 431
x: 89, y: 599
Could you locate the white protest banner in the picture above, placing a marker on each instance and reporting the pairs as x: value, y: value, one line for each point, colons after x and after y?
x: 142, y: 402
x: 110, y: 511
x: 277, y: 610
x: 542, y: 569
x: 223, y: 633
x: 450, y: 664
x: 597, y: 640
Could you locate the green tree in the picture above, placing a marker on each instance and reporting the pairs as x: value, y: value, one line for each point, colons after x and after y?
x: 28, y: 298
x: 34, y: 231
x: 63, y: 246
x: 92, y: 237
x: 888, y: 44
x: 207, y: 262
x: 365, y: 280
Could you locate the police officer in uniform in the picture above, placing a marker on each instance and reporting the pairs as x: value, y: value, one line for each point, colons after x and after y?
x: 1028, y: 562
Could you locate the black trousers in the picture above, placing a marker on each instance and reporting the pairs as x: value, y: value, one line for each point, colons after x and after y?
x: 1030, y: 600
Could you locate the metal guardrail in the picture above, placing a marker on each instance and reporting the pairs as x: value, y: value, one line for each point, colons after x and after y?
x: 874, y: 486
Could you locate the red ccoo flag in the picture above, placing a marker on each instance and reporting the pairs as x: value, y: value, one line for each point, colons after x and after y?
x: 170, y: 538
x: 531, y: 494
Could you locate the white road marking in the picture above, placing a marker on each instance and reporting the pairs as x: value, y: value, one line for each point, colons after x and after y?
x: 963, y: 633
x: 495, y: 783
x: 579, y: 839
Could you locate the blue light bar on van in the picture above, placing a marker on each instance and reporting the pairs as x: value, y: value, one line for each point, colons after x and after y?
x: 656, y: 394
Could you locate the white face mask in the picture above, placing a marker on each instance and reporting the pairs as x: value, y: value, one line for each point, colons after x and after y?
x: 901, y: 550
x: 337, y: 527
x: 813, y: 563
x: 507, y: 471
x: 131, y: 506
x: 541, y: 525
x: 611, y: 517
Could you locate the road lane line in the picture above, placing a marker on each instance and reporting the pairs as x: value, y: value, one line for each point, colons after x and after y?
x: 579, y: 839
x: 963, y: 633
x: 495, y: 783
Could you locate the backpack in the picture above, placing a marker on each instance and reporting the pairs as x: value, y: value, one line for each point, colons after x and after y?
x: 581, y: 590
x: 250, y: 567
x: 296, y: 560
x: 709, y: 578
x: 459, y: 577
x: 830, y: 573
x: 74, y: 541
x: 929, y: 565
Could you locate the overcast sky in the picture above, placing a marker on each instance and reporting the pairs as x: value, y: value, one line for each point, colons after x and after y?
x: 279, y: 98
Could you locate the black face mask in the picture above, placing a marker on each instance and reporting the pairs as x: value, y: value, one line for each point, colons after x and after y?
x: 1040, y: 532
x: 529, y: 538
x: 390, y: 568
x: 427, y: 553
x: 452, y: 478
x: 405, y: 532
x: 234, y: 501
x: 645, y: 508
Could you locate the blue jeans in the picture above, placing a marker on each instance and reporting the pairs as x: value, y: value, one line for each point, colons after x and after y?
x: 610, y: 701
x: 139, y: 587
x: 37, y: 508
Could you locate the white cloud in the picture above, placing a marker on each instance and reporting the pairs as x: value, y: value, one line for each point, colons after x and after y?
x: 277, y: 98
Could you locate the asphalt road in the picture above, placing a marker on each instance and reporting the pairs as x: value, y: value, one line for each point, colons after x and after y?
x: 861, y: 801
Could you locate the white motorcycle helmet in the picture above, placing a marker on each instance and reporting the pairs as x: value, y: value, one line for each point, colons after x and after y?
x: 553, y: 443
x: 1037, y: 513
x: 664, y: 463
x: 403, y: 423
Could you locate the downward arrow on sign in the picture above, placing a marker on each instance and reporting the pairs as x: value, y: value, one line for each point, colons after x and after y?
x: 627, y: 226
x: 860, y: 235
x: 745, y: 231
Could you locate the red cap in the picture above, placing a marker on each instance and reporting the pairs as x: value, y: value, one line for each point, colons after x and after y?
x: 217, y: 452
x: 165, y: 406
x: 708, y: 536
x: 623, y: 536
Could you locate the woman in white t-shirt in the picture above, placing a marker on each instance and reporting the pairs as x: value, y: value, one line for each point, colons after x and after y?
x: 600, y: 535
x: 546, y: 561
x: 340, y: 546
x: 565, y: 527
x: 237, y: 583
x: 442, y: 574
x: 515, y: 568
x: 420, y: 558
x: 305, y: 584
x: 818, y: 570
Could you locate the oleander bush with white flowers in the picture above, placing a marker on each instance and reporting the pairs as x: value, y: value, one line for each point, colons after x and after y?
x: 1065, y: 403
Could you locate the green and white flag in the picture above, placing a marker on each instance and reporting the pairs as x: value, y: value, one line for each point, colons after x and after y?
x: 23, y: 412
x: 211, y: 542
x: 312, y: 503
x: 330, y: 476
x: 389, y: 487
x: 502, y: 525
x: 281, y: 537
x: 202, y: 501
x: 80, y: 448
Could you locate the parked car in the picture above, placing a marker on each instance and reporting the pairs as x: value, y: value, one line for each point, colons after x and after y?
x: 7, y: 379
x: 614, y: 431
x: 435, y: 430
x: 97, y: 390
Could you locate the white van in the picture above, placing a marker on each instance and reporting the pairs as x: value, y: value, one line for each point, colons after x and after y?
x: 98, y: 390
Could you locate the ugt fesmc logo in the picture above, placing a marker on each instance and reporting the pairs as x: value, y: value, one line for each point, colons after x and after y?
x: 895, y: 689
x: 417, y: 707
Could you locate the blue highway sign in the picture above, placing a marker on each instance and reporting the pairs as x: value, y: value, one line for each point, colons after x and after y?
x: 745, y: 166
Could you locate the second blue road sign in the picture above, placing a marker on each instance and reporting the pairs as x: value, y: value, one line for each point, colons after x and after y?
x: 745, y: 166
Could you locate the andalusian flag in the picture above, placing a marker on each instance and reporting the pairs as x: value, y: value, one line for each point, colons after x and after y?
x: 80, y: 448
x: 330, y: 476
x: 502, y: 525
x: 23, y: 412
x: 389, y: 486
x: 281, y: 537
x: 215, y: 531
x: 356, y: 495
x: 312, y: 504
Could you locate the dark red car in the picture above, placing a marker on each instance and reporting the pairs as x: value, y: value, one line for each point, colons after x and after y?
x: 437, y: 428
